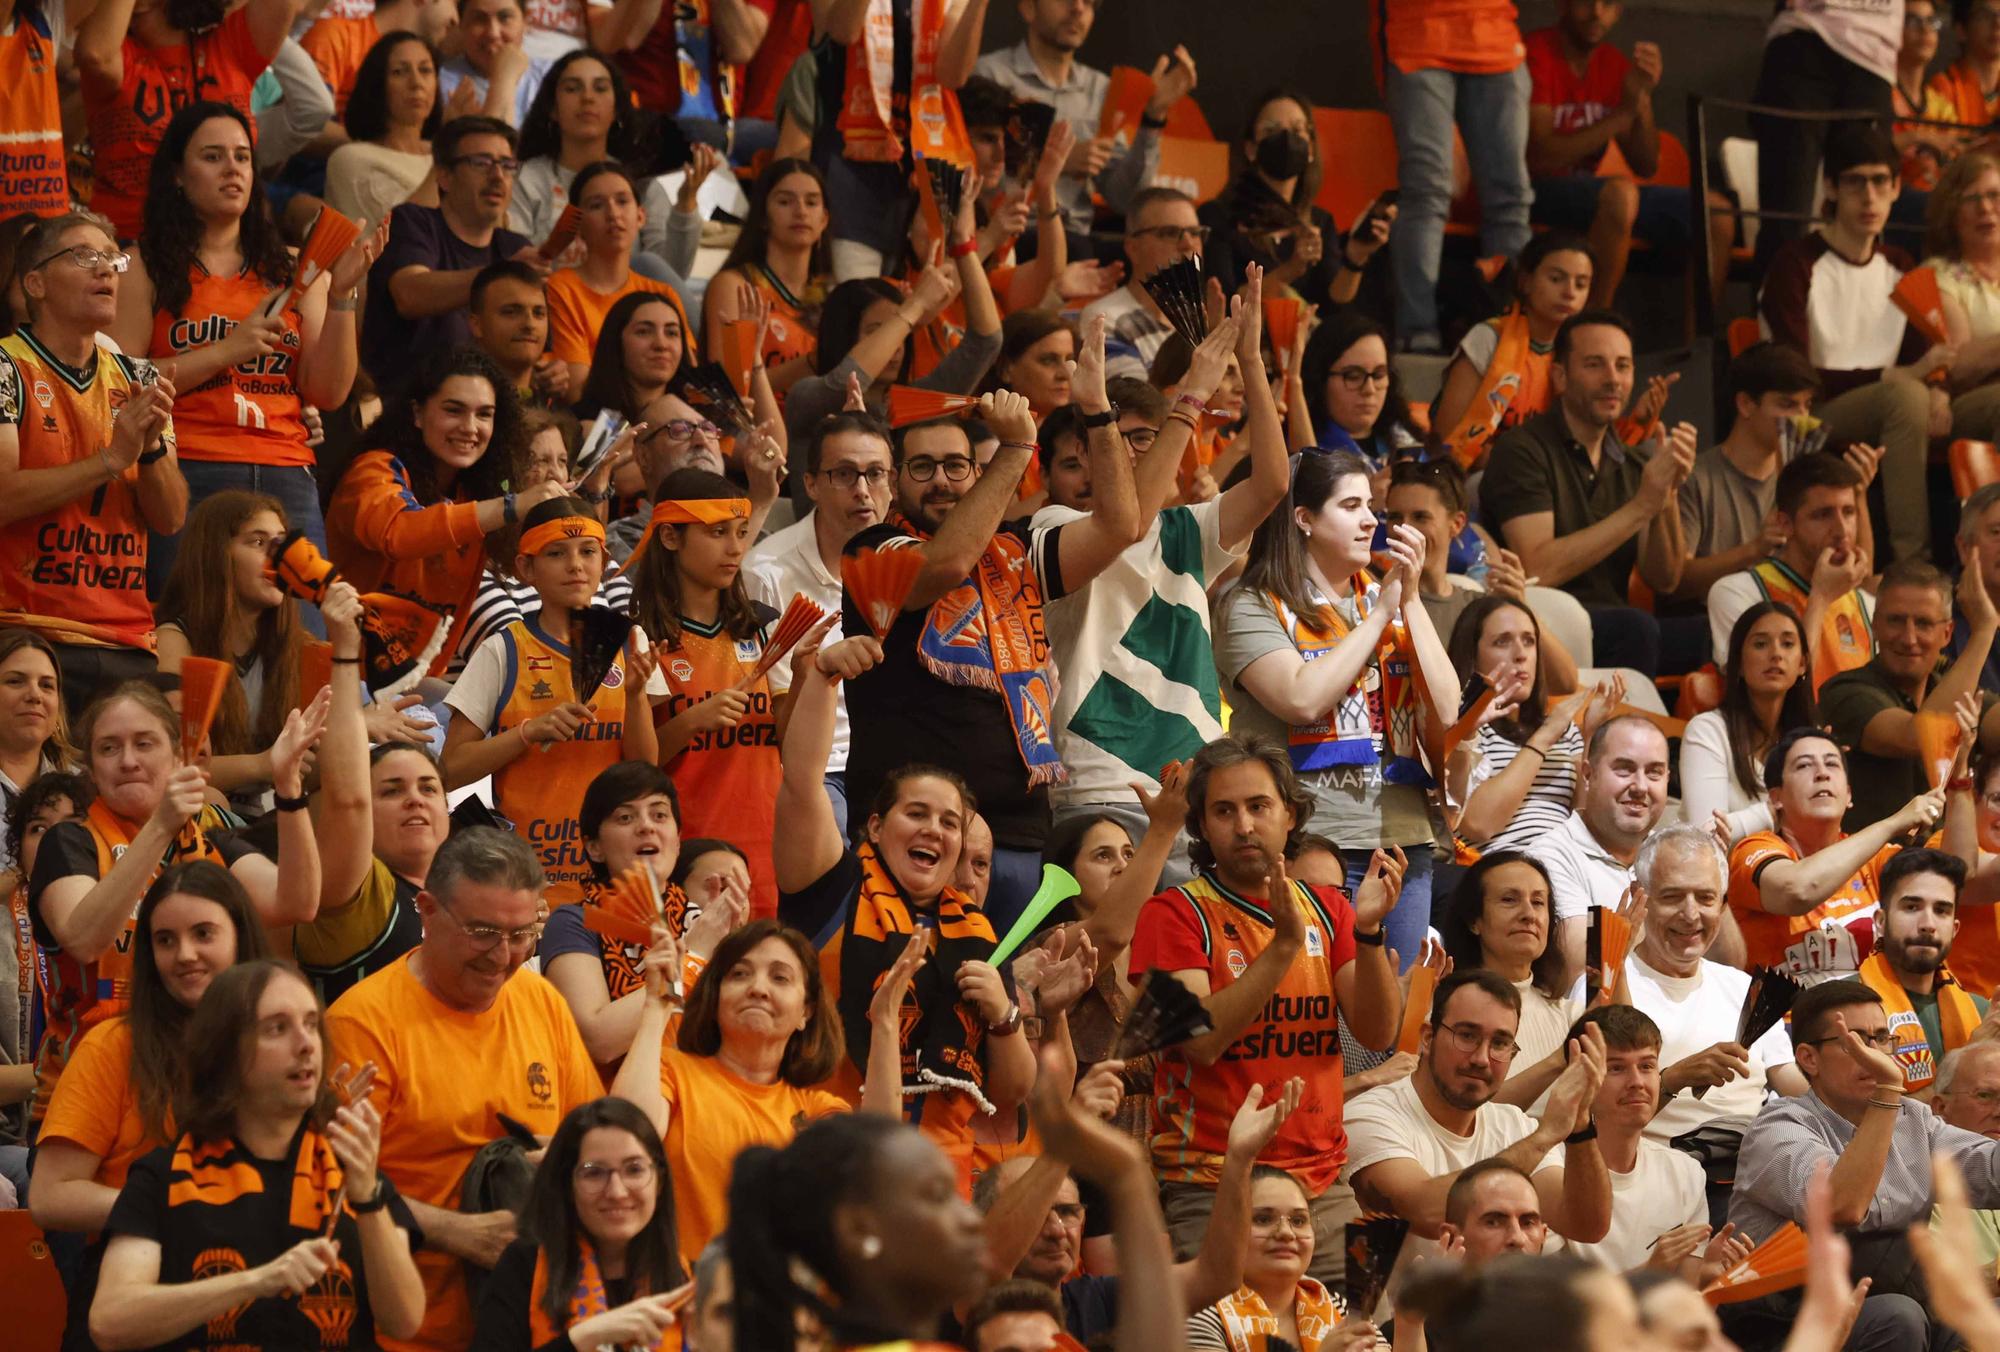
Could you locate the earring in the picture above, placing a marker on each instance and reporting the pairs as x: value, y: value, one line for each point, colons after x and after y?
x: 871, y: 1247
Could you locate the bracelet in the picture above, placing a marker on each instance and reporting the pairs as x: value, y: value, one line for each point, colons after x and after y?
x: 285, y: 804
x: 339, y: 661
x: 1380, y: 938
x: 509, y: 512
x: 1181, y: 415
x: 154, y: 456
x: 1151, y: 123
x: 345, y: 305
x: 1587, y: 1133
x: 961, y: 250
x: 1008, y: 1026
x: 373, y: 1204
x: 1195, y: 401
x: 604, y: 496
x: 1349, y: 263
x: 1031, y: 447
x: 1530, y: 746
x: 1963, y: 784
x: 1895, y: 1105
x: 1047, y: 213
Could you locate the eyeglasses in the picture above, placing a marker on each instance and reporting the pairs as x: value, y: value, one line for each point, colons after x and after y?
x: 1500, y: 1047
x: 957, y: 468
x: 1140, y: 439
x: 486, y: 164
x: 87, y: 258
x: 1355, y: 377
x: 1859, y: 182
x: 635, y: 1174
x: 1172, y: 234
x: 486, y: 938
x: 846, y: 476
x: 1924, y: 23
x: 680, y: 429
x: 1884, y: 1041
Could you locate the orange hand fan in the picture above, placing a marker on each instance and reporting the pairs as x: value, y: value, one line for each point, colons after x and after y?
x: 332, y: 234
x: 1778, y: 1264
x: 564, y: 232
x: 203, y: 679
x: 797, y: 621
x: 908, y: 404
x: 1417, y: 1004
x: 1605, y: 945
x: 739, y: 352
x: 1477, y: 699
x: 315, y: 669
x: 1281, y: 320
x: 611, y: 925
x: 1918, y: 298
x: 880, y: 581
x: 1937, y: 742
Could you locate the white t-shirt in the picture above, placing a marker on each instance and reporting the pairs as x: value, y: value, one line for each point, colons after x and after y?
x: 1136, y: 656
x: 1708, y: 779
x: 1666, y: 1189
x: 1391, y: 1123
x: 1694, y: 1013
x: 1580, y: 872
x: 1545, y: 1025
x: 483, y: 687
x: 785, y: 564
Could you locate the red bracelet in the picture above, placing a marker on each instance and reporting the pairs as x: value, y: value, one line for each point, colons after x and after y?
x: 961, y: 250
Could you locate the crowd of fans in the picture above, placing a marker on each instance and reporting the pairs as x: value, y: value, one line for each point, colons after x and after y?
x: 522, y: 730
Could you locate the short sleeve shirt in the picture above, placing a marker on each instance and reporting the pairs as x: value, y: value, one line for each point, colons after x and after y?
x: 1579, y: 101
x: 419, y: 237
x: 1538, y: 466
x: 1826, y: 943
x: 1880, y: 784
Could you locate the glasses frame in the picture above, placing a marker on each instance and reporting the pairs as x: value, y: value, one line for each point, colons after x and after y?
x: 595, y: 1185
x: 509, y: 165
x: 1473, y: 1041
x: 88, y: 258
x: 477, y: 935
x: 845, y: 477
x: 968, y: 468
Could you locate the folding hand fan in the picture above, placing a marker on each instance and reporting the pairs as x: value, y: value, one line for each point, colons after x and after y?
x: 739, y: 353
x: 1029, y: 123
x: 801, y: 614
x: 1166, y: 1014
x: 880, y: 580
x: 1938, y: 736
x: 203, y: 679
x: 908, y: 404
x: 565, y: 231
x: 1372, y: 1245
x: 315, y: 669
x: 1765, y: 1004
x: 1778, y: 1264
x: 332, y: 234
x: 709, y: 385
x: 1282, y: 315
x: 1176, y: 289
x: 1918, y: 298
x: 598, y: 638
x: 1417, y: 1003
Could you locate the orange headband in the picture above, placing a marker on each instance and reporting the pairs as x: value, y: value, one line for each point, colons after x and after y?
x: 535, y: 540
x: 689, y: 512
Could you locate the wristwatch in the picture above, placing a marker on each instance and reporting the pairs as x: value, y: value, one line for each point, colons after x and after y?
x: 1095, y: 420
x: 1008, y: 1026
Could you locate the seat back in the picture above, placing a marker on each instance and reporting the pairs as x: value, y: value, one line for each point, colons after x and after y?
x: 31, y: 1291
x: 1974, y: 464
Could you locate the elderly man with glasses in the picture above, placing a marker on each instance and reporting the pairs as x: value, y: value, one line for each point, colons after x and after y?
x: 1161, y: 227
x: 1877, y: 1149
x: 87, y: 463
x: 463, y: 1040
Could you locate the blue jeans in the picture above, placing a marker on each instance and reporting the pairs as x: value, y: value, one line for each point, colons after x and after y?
x: 1410, y: 921
x: 836, y: 792
x: 295, y: 488
x: 1492, y: 113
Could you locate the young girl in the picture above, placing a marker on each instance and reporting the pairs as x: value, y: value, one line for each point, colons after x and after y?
x: 219, y: 603
x: 580, y: 298
x: 1500, y: 373
x: 519, y: 691
x: 718, y: 729
x: 642, y: 346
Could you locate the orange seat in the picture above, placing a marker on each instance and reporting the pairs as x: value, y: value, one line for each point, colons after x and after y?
x: 1974, y: 464
x: 31, y: 1292
x: 1358, y: 146
x: 1743, y: 333
x: 1199, y: 168
x: 1125, y: 99
x: 1672, y: 171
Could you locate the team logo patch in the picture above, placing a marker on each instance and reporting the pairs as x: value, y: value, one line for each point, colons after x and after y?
x: 43, y: 394
x: 748, y: 650
x: 1236, y: 962
x: 682, y: 669
x: 614, y: 678
x: 540, y: 690
x: 538, y: 1082
x: 1315, y: 942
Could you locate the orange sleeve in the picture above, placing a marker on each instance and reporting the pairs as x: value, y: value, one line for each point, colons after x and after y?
x: 1747, y: 860
x: 89, y: 1100
x: 572, y: 328
x: 582, y: 1081
x: 375, y: 507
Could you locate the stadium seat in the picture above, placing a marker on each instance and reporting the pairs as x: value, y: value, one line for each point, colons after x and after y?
x: 1742, y: 333
x: 31, y: 1292
x: 1974, y: 464
x: 1359, y: 147
x: 1199, y: 168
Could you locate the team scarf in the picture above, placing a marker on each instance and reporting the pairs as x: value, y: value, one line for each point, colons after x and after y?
x: 111, y: 972
x: 876, y: 115
x: 1957, y: 1018
x: 1247, y: 1322
x: 623, y: 963
x: 1516, y: 384
x: 1365, y: 722
x: 217, y: 1173
x: 940, y: 1035
x: 988, y: 632
x: 588, y: 1300
x: 1846, y: 639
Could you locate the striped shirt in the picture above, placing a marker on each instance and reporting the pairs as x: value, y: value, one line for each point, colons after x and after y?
x: 503, y: 600
x: 1547, y: 805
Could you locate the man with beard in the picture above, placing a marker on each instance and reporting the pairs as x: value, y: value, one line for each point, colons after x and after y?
x: 1929, y: 1012
x: 1582, y: 510
x: 1588, y: 858
x: 1492, y: 1209
x: 1409, y: 1141
x: 1659, y: 1204
x: 1873, y: 709
x: 848, y: 467
x: 967, y: 679
x: 1805, y: 893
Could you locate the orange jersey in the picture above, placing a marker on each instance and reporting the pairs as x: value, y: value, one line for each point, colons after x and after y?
x: 337, y: 46
x: 382, y: 539
x: 539, y: 791
x: 1975, y: 953
x: 1203, y: 925
x: 728, y: 778
x: 1472, y: 37
x: 577, y: 313
x: 247, y: 414
x: 34, y: 174
x: 96, y: 1105
x: 1829, y: 941
x: 1846, y: 637
x: 77, y: 573
x: 794, y: 327
x: 443, y: 1078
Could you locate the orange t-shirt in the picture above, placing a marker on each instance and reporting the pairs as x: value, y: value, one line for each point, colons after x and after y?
x: 382, y: 539
x: 34, y: 172
x: 1472, y: 37
x: 713, y: 1116
x: 337, y: 46
x: 248, y: 414
x: 1826, y: 943
x: 76, y: 573
x: 96, y: 1105
x: 728, y: 779
x: 577, y: 313
x: 443, y: 1076
x: 1204, y: 925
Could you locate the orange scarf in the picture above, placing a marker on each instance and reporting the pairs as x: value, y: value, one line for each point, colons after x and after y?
x: 588, y: 1300
x: 1247, y: 1321
x: 880, y: 123
x: 1957, y: 1018
x: 1515, y: 386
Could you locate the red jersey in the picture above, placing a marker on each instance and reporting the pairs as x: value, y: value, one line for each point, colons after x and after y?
x: 1204, y: 925
x: 1578, y: 101
x: 728, y: 778
x: 221, y: 64
x: 247, y: 414
x: 785, y: 41
x: 33, y: 173
x: 1828, y: 942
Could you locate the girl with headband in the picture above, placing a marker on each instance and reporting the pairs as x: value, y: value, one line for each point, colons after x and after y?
x: 718, y: 725
x: 531, y: 685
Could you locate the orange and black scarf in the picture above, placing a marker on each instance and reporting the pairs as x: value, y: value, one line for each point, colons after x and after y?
x: 586, y: 1301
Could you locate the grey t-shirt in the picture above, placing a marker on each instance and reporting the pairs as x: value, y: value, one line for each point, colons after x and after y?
x: 1722, y: 508
x: 1352, y: 806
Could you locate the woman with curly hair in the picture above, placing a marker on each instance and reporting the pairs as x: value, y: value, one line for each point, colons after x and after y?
x: 199, y: 301
x: 412, y: 513
x: 391, y: 116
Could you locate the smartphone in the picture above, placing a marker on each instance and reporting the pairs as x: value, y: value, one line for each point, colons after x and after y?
x: 1379, y: 211
x: 598, y: 441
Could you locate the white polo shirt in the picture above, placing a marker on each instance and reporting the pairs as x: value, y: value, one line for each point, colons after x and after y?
x: 1581, y: 872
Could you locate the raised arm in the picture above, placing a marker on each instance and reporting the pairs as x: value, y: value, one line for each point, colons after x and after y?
x: 270, y: 23
x: 951, y: 554
x: 87, y: 916
x: 1245, y: 506
x: 1799, y: 886
x: 638, y: 1078
x: 100, y: 50
x: 805, y: 841
x: 1112, y: 526
x: 959, y: 51
x: 841, y: 21
x: 1116, y: 918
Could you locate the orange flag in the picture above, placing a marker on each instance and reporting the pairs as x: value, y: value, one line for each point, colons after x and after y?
x: 203, y: 679
x: 1937, y: 742
x: 1917, y: 297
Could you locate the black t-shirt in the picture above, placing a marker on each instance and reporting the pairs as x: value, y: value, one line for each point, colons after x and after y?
x: 220, y: 1209
x: 419, y: 237
x: 1090, y: 1306
x: 70, y: 851
x: 900, y: 712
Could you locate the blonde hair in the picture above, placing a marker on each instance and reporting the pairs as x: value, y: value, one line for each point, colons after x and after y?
x: 1954, y: 185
